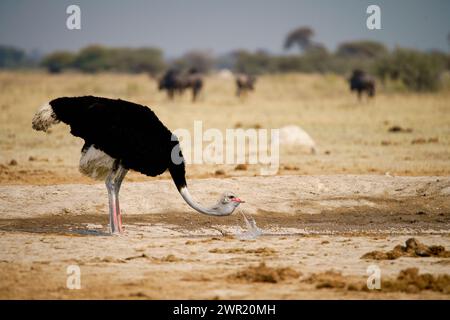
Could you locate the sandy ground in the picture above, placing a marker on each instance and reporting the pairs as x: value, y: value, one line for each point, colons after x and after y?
x: 314, y: 227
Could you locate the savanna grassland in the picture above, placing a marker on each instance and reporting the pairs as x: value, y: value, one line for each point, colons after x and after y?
x: 351, y: 137
x: 379, y: 178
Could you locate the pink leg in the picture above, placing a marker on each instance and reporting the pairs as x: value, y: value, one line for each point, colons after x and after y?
x: 113, y: 183
x: 113, y: 221
x: 117, y: 214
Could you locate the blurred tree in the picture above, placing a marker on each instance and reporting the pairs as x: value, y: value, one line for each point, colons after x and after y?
x: 148, y: 60
x: 200, y: 60
x: 93, y: 59
x: 316, y: 48
x: 58, y: 61
x: 11, y: 57
x: 301, y: 37
x: 448, y: 41
x: 442, y: 57
x: 254, y: 63
x: 293, y: 63
x: 361, y: 49
x: 97, y: 58
x: 419, y: 71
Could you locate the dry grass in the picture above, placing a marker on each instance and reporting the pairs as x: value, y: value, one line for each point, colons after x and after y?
x: 352, y: 137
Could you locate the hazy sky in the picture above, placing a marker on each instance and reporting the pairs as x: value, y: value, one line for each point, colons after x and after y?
x: 219, y: 25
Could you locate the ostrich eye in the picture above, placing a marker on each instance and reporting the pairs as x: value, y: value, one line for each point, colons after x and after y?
x: 230, y: 197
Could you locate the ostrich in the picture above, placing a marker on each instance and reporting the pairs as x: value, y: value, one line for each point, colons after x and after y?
x: 119, y: 136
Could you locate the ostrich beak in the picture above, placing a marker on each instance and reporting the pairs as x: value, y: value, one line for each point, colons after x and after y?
x: 238, y: 200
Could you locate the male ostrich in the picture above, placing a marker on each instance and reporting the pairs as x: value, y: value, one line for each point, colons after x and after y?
x: 119, y: 136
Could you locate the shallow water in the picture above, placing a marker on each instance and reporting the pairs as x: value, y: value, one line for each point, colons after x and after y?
x: 252, y: 232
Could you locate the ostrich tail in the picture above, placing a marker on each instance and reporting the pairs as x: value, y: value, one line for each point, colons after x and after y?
x: 44, y: 118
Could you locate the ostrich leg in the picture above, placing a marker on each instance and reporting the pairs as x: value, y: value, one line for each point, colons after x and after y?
x: 119, y: 178
x: 113, y: 183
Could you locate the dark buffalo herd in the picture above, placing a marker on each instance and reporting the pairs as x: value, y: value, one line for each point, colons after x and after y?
x: 176, y: 82
x: 361, y: 82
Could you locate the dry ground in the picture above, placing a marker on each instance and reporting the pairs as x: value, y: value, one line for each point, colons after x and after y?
x: 366, y: 189
x: 168, y: 251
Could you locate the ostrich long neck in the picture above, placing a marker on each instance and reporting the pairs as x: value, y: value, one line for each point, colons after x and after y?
x: 196, y: 206
x: 178, y: 176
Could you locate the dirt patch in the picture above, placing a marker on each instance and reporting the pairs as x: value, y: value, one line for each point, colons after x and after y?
x: 259, y: 251
x: 412, y: 248
x: 219, y: 172
x: 423, y: 140
x: 108, y: 259
x: 264, y: 273
x: 410, y: 281
x: 399, y: 129
x: 242, y: 167
x: 290, y: 168
x: 328, y: 279
x: 334, y: 280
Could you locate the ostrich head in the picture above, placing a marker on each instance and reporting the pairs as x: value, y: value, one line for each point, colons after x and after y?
x: 227, y: 203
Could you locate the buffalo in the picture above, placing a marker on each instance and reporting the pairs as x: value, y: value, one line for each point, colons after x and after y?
x: 175, y: 82
x: 244, y: 84
x: 171, y: 81
x: 361, y: 82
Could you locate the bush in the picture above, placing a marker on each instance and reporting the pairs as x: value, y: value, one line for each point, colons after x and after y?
x: 96, y: 58
x: 254, y: 63
x: 418, y: 71
x: 149, y: 60
x: 202, y: 61
x: 11, y: 57
x: 361, y: 49
x: 58, y: 61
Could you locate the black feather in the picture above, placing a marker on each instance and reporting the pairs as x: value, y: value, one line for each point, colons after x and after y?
x: 126, y: 131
